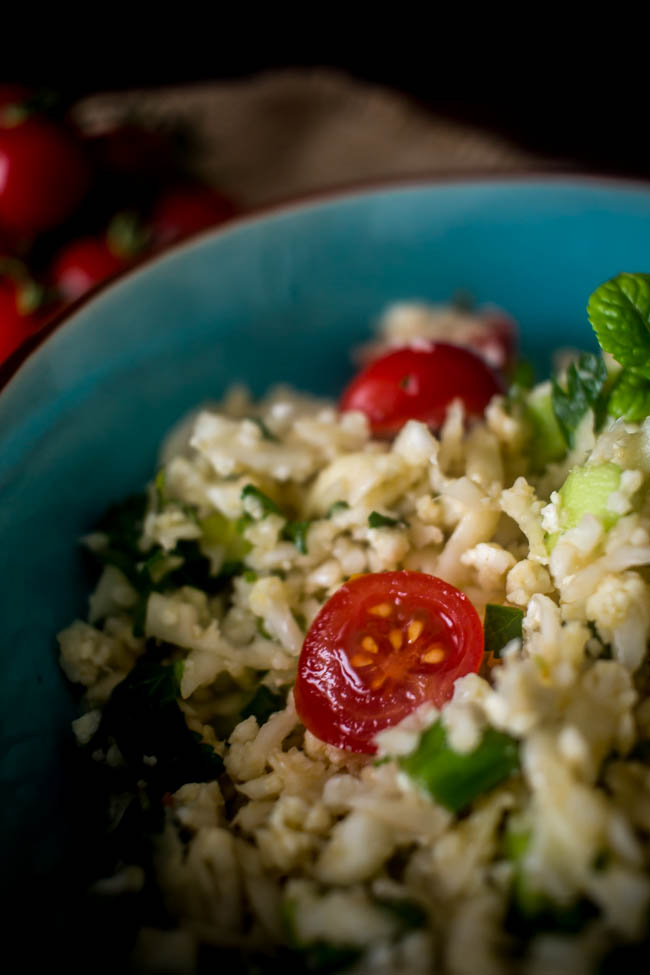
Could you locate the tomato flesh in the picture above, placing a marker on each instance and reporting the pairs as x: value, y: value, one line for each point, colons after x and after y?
x: 383, y: 644
x: 420, y: 384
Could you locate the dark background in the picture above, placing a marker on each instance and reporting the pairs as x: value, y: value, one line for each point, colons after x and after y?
x: 576, y: 90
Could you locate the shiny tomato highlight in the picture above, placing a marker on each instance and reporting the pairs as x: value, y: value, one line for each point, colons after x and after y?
x: 420, y: 384
x: 381, y: 646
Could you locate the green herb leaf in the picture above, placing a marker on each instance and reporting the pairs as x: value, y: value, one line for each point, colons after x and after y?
x: 502, y: 624
x: 320, y: 957
x: 159, y: 485
x: 408, y: 912
x: 523, y: 375
x: 268, y: 506
x: 336, y: 507
x: 263, y: 704
x: 157, y: 570
x: 531, y: 910
x: 142, y: 716
x: 619, y: 312
x: 261, y: 629
x: 585, y: 381
x: 377, y: 520
x: 266, y: 433
x: 629, y: 397
x: 547, y: 441
x: 453, y: 779
x: 123, y: 523
x: 216, y: 529
x: 296, y: 532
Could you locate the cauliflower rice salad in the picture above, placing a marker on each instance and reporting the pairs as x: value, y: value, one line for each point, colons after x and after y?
x: 315, y: 756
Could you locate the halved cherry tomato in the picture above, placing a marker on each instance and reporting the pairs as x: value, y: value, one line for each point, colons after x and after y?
x: 381, y: 646
x: 419, y: 384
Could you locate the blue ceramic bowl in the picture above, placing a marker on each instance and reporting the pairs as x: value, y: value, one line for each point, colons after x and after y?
x: 281, y: 297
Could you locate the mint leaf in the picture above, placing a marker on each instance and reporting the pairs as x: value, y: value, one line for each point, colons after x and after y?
x: 502, y: 624
x: 619, y: 312
x: 377, y: 520
x: 629, y: 397
x: 268, y: 506
x: 585, y: 381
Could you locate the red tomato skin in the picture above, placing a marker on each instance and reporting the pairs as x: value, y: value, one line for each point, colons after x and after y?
x: 185, y: 210
x: 340, y: 709
x: 83, y: 264
x: 14, y: 327
x: 43, y: 175
x: 419, y: 384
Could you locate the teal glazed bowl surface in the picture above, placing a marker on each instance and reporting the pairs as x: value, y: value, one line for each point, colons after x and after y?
x: 281, y: 297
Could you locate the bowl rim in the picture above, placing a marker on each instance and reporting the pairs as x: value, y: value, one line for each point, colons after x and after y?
x: 12, y: 365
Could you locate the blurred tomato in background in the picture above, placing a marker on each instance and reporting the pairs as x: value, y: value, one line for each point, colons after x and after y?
x: 76, y: 209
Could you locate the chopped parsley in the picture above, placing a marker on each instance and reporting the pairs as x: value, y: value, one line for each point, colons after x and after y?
x: 377, y: 520
x: 268, y: 506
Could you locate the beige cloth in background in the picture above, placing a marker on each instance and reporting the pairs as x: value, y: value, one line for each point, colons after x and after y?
x: 287, y: 133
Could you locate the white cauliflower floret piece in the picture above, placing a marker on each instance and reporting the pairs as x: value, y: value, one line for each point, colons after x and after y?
x: 491, y: 563
x: 522, y: 504
x: 369, y: 480
x: 113, y: 594
x: 525, y: 579
x: 339, y: 916
x: 388, y: 547
x: 168, y: 528
x: 88, y: 654
x: 358, y: 846
x: 415, y: 444
x: 620, y: 608
x: 269, y: 600
x: 233, y: 446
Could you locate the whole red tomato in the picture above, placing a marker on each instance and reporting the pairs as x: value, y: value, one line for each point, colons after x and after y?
x: 83, y: 264
x: 184, y: 210
x: 419, y: 384
x: 88, y: 261
x: 24, y: 306
x: 44, y: 175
